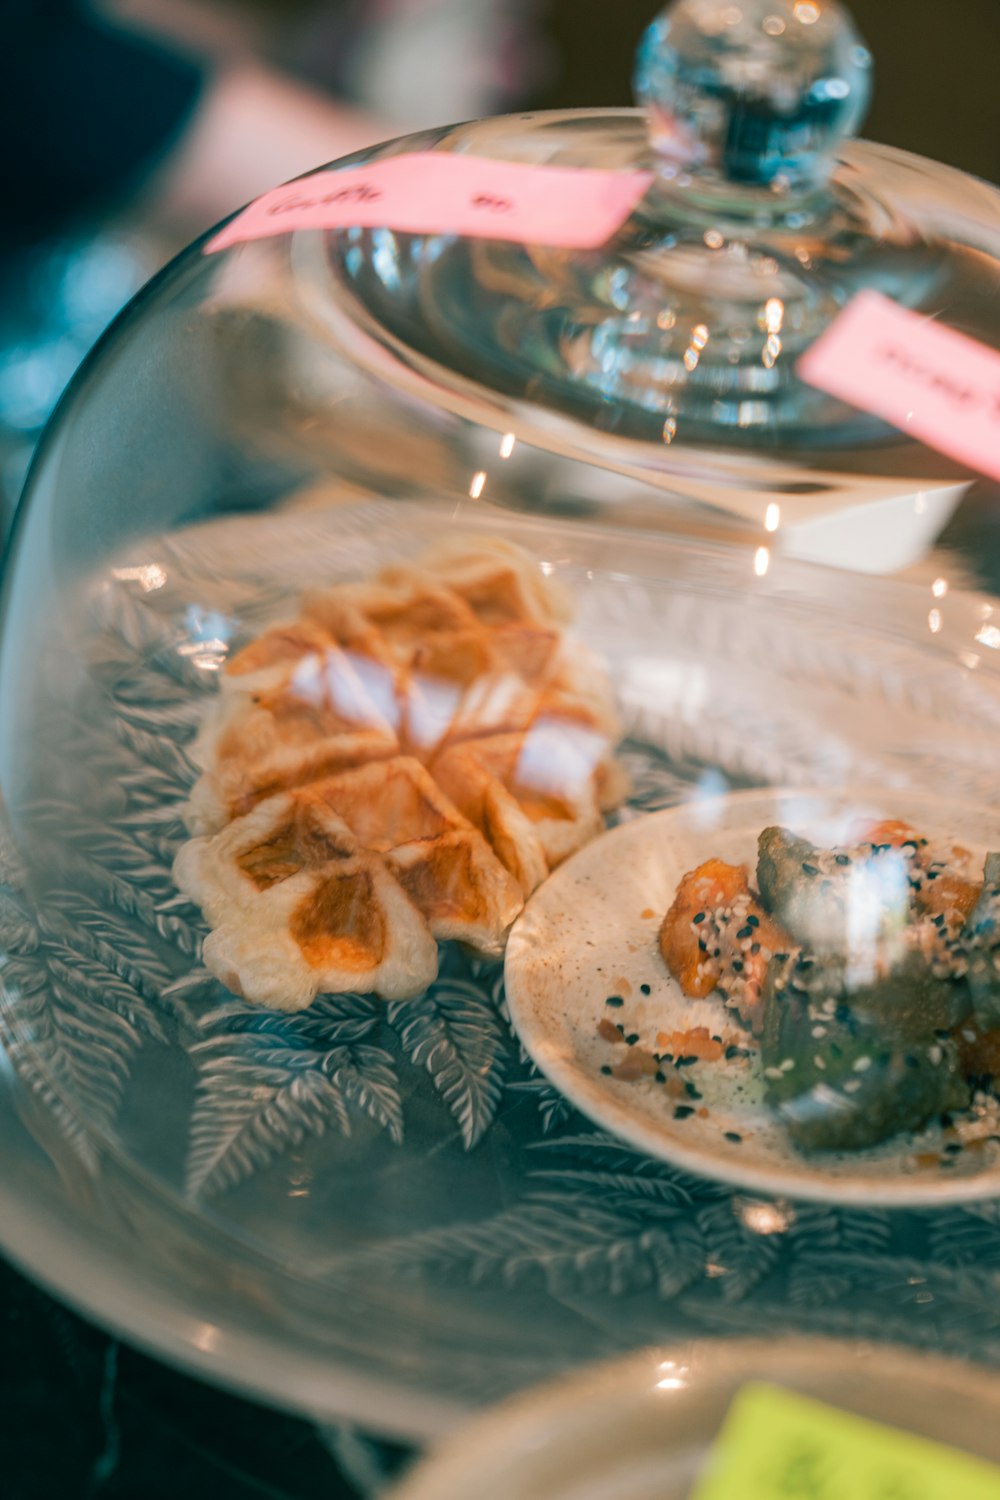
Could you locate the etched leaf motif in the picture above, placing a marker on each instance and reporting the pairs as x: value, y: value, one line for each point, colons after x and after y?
x: 73, y: 1053
x: 253, y: 1105
x: 367, y: 1076
x: 571, y: 1246
x: 156, y: 750
x: 554, y: 1110
x: 654, y: 781
x: 968, y: 1236
x: 454, y: 1032
x: 94, y: 984
x: 742, y: 1254
x: 268, y: 1081
x: 117, y: 944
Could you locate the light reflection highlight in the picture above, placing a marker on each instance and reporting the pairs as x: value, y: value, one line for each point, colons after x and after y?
x: 761, y: 561
x: 766, y: 1218
x: 939, y: 587
x: 478, y: 484
x: 673, y: 1376
x: 149, y: 576
x: 807, y: 12
x: 934, y: 621
x: 773, y: 25
x: 989, y: 635
x: 772, y: 516
x: 507, y: 444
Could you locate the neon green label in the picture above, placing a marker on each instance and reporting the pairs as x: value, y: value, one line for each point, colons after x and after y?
x: 779, y: 1446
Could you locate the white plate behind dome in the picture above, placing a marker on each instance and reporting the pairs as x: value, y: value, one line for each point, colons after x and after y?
x: 641, y: 1428
x: 590, y: 932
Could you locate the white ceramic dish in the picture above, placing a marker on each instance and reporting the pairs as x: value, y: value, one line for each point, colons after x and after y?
x: 590, y: 933
x: 641, y: 1428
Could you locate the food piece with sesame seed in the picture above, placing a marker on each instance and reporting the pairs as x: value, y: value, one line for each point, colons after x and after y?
x: 844, y: 1080
x: 982, y: 940
x: 717, y: 936
x: 834, y: 900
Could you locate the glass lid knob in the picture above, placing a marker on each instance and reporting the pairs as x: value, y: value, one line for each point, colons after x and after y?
x: 764, y: 219
x: 751, y: 98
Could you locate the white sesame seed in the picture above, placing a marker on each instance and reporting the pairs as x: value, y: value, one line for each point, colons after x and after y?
x: 852, y: 1085
x: 935, y: 1055
x: 862, y: 1064
x: 819, y: 1031
x: 820, y: 1064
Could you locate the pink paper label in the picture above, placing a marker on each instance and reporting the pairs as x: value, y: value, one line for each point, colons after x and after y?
x: 931, y: 382
x: 429, y: 192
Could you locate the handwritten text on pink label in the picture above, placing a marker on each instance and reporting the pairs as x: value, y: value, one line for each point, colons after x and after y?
x: 931, y: 382
x: 429, y: 192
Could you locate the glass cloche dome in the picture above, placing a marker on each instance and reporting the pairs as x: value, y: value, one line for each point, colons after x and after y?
x: 499, y: 659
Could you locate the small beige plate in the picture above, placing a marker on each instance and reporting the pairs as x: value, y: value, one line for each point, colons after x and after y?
x: 641, y: 1428
x: 590, y: 932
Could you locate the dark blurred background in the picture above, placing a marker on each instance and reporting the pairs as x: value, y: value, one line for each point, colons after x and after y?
x: 128, y: 130
x: 131, y: 125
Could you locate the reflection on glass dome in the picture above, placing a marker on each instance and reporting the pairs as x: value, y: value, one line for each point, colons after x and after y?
x: 487, y: 748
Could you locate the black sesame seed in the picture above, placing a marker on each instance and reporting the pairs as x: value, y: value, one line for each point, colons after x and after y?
x: 954, y: 1149
x: 632, y: 1038
x: 732, y: 1136
x: 702, y: 946
x: 912, y: 1062
x: 691, y: 1091
x: 808, y: 869
x: 682, y: 1111
x: 645, y: 988
x: 843, y: 859
x: 738, y: 965
x: 615, y: 1001
x: 733, y: 1051
x: 933, y: 874
x: 699, y: 918
x: 942, y: 1036
x: 754, y: 947
x: 660, y: 1076
x: 842, y: 1014
x: 685, y: 1062
x: 781, y: 958
x: 606, y: 1071
x: 753, y: 921
x: 744, y: 932
x: 619, y: 1028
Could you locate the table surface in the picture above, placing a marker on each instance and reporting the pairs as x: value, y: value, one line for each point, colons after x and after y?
x: 129, y: 1425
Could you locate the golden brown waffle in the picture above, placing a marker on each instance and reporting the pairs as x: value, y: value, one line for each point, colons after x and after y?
x: 439, y: 732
